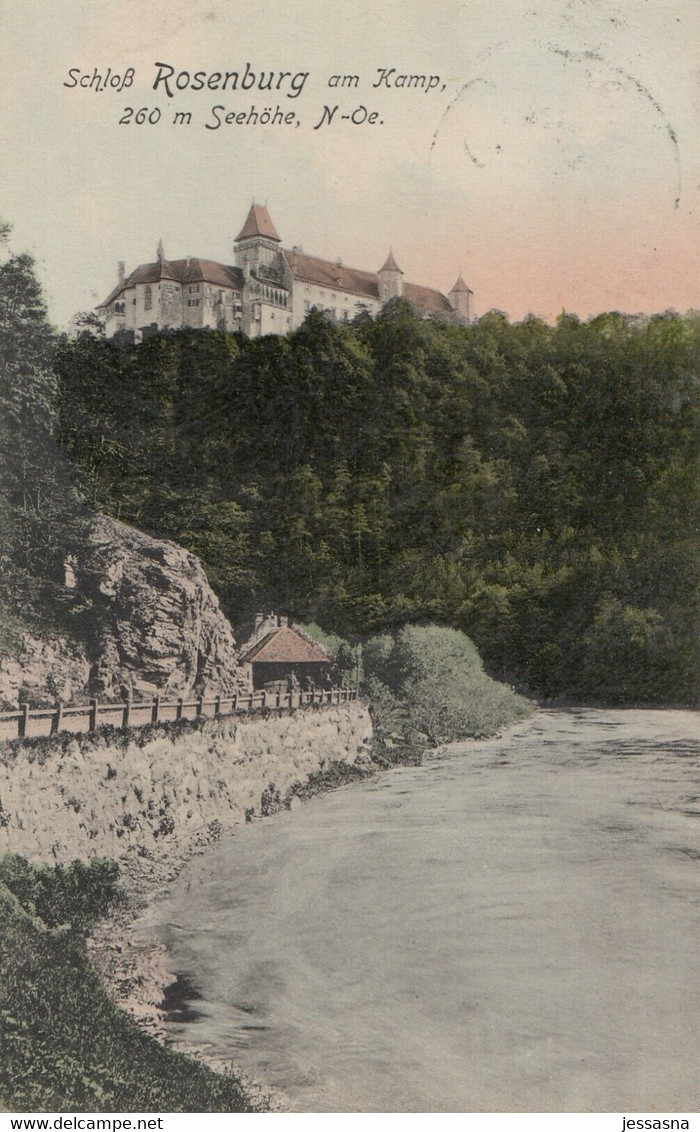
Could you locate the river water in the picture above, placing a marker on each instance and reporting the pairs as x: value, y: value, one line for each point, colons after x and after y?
x: 510, y: 927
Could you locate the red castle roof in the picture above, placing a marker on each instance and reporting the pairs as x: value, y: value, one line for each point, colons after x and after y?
x: 258, y: 223
x: 326, y: 273
x: 190, y: 270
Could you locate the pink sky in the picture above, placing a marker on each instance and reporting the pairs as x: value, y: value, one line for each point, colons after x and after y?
x: 557, y: 164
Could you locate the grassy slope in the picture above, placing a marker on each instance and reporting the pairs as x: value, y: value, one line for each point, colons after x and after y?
x: 65, y: 1046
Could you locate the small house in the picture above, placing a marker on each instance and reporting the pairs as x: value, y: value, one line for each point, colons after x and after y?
x: 278, y: 654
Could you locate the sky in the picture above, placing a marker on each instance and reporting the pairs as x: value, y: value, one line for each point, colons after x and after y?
x: 554, y: 161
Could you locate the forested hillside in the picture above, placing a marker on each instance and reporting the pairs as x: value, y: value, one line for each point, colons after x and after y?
x: 534, y: 486
x: 42, y: 518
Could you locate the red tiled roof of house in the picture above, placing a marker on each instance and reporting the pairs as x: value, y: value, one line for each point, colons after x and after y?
x: 258, y: 223
x: 285, y: 646
x: 192, y: 270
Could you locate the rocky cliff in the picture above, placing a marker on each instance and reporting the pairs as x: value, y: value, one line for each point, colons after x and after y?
x: 152, y: 624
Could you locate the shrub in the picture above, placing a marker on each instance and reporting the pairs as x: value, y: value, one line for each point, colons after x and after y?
x: 76, y: 894
x: 426, y: 685
x: 428, y: 681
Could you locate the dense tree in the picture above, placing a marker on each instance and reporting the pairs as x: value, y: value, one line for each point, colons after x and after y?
x: 42, y: 521
x: 533, y: 486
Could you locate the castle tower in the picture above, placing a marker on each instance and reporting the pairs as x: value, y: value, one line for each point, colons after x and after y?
x: 390, y: 278
x: 257, y: 243
x: 461, y: 299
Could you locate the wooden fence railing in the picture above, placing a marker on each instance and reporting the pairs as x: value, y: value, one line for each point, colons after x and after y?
x: 32, y: 722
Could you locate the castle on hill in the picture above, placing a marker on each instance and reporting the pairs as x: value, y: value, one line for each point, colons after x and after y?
x: 267, y: 290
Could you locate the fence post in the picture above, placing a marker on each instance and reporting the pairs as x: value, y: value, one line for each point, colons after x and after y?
x: 57, y: 720
x: 178, y: 709
x: 92, y: 718
x: 155, y: 710
x: 263, y: 705
x: 217, y: 705
x: 126, y: 715
x: 23, y: 721
x: 234, y: 703
x: 200, y: 706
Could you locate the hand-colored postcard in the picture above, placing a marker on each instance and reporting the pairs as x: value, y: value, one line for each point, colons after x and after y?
x: 349, y: 558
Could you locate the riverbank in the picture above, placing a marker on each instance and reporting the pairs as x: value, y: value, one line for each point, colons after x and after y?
x: 150, y: 799
x: 140, y: 974
x: 137, y: 975
x: 153, y: 799
x: 551, y: 876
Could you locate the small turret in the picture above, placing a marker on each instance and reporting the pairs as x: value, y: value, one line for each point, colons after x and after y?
x: 390, y: 278
x: 122, y: 272
x: 461, y: 299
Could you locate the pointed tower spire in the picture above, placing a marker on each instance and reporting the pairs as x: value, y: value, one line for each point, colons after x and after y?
x: 390, y: 279
x: 161, y: 252
x: 258, y: 223
x: 391, y: 264
x: 461, y: 299
x: 460, y: 286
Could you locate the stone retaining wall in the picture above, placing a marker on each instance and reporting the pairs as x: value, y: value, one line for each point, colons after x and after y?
x: 162, y: 795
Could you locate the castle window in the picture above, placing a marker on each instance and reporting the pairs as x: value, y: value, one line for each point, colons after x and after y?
x: 193, y: 302
x: 147, y: 299
x: 193, y: 289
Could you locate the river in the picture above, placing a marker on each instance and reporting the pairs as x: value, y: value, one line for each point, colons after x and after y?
x: 510, y: 927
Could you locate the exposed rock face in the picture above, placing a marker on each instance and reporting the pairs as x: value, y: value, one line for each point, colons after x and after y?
x: 45, y: 671
x: 160, y: 625
x: 154, y: 626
